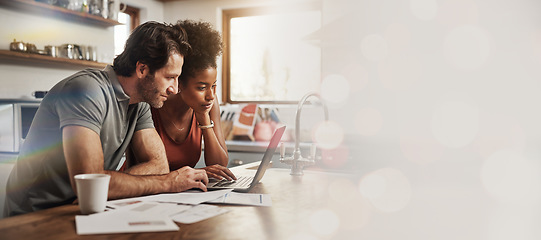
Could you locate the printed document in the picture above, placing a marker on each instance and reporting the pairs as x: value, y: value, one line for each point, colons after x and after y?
x: 137, y: 217
x: 254, y: 199
x: 188, y: 197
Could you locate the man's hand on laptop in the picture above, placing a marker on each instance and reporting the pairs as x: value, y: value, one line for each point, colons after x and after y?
x: 187, y: 178
x: 219, y: 172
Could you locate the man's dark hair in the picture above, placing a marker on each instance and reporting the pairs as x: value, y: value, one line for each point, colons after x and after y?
x: 151, y: 43
x: 206, y: 47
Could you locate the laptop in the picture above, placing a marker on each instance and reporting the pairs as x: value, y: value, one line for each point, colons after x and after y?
x: 246, y: 183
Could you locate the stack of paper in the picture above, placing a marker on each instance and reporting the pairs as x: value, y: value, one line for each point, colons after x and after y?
x: 188, y: 197
x: 138, y: 217
x: 157, y: 213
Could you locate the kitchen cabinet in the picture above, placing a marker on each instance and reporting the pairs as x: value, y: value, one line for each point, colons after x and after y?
x: 39, y: 8
x: 34, y: 7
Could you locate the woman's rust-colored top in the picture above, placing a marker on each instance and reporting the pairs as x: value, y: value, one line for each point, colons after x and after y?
x: 180, y: 154
x: 186, y: 153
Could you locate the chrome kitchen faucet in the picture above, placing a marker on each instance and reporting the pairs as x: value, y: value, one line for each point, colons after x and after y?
x: 297, y: 161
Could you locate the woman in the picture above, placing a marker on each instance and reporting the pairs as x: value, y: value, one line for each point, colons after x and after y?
x: 193, y: 113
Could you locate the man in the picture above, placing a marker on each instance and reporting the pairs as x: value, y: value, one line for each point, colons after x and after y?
x: 86, y: 122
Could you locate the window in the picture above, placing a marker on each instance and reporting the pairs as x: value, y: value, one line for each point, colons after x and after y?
x: 129, y: 17
x: 268, y: 54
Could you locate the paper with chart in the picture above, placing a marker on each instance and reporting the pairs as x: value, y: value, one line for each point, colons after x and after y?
x: 254, y: 199
x: 188, y: 197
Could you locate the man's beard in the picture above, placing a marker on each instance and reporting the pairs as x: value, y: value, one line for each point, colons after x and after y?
x: 149, y: 92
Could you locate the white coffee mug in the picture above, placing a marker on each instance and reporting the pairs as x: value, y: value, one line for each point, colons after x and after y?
x: 92, y: 190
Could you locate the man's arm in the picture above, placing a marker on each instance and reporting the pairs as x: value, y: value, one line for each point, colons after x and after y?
x: 83, y: 153
x: 149, y: 153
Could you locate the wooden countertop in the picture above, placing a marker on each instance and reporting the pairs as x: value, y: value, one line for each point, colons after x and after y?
x: 300, y: 205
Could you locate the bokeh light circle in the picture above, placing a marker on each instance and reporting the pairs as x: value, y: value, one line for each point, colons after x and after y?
x: 342, y: 191
x: 510, y: 177
x: 388, y: 189
x: 335, y: 88
x: 466, y: 47
x: 373, y: 186
x: 455, y: 123
x: 499, y: 131
x: 356, y: 75
x: 368, y: 121
x: 398, y: 37
x: 399, y: 72
x: 324, y: 222
x: 421, y: 149
x: 328, y: 135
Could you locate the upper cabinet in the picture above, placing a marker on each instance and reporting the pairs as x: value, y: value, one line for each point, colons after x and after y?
x: 44, y: 9
x: 58, y: 12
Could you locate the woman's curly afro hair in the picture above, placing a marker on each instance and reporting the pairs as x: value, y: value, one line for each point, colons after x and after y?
x: 206, y: 46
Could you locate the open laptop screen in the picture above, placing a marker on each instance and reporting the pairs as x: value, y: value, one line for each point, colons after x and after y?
x: 273, y: 144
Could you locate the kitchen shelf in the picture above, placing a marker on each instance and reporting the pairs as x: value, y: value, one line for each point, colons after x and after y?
x: 28, y: 58
x: 59, y: 12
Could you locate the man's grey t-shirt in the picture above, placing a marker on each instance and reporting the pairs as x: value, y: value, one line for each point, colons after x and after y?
x: 90, y: 98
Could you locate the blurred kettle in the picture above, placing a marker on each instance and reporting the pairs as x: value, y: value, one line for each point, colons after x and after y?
x: 17, y: 46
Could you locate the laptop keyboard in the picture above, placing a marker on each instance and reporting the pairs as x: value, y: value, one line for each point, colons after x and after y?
x: 242, y: 181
